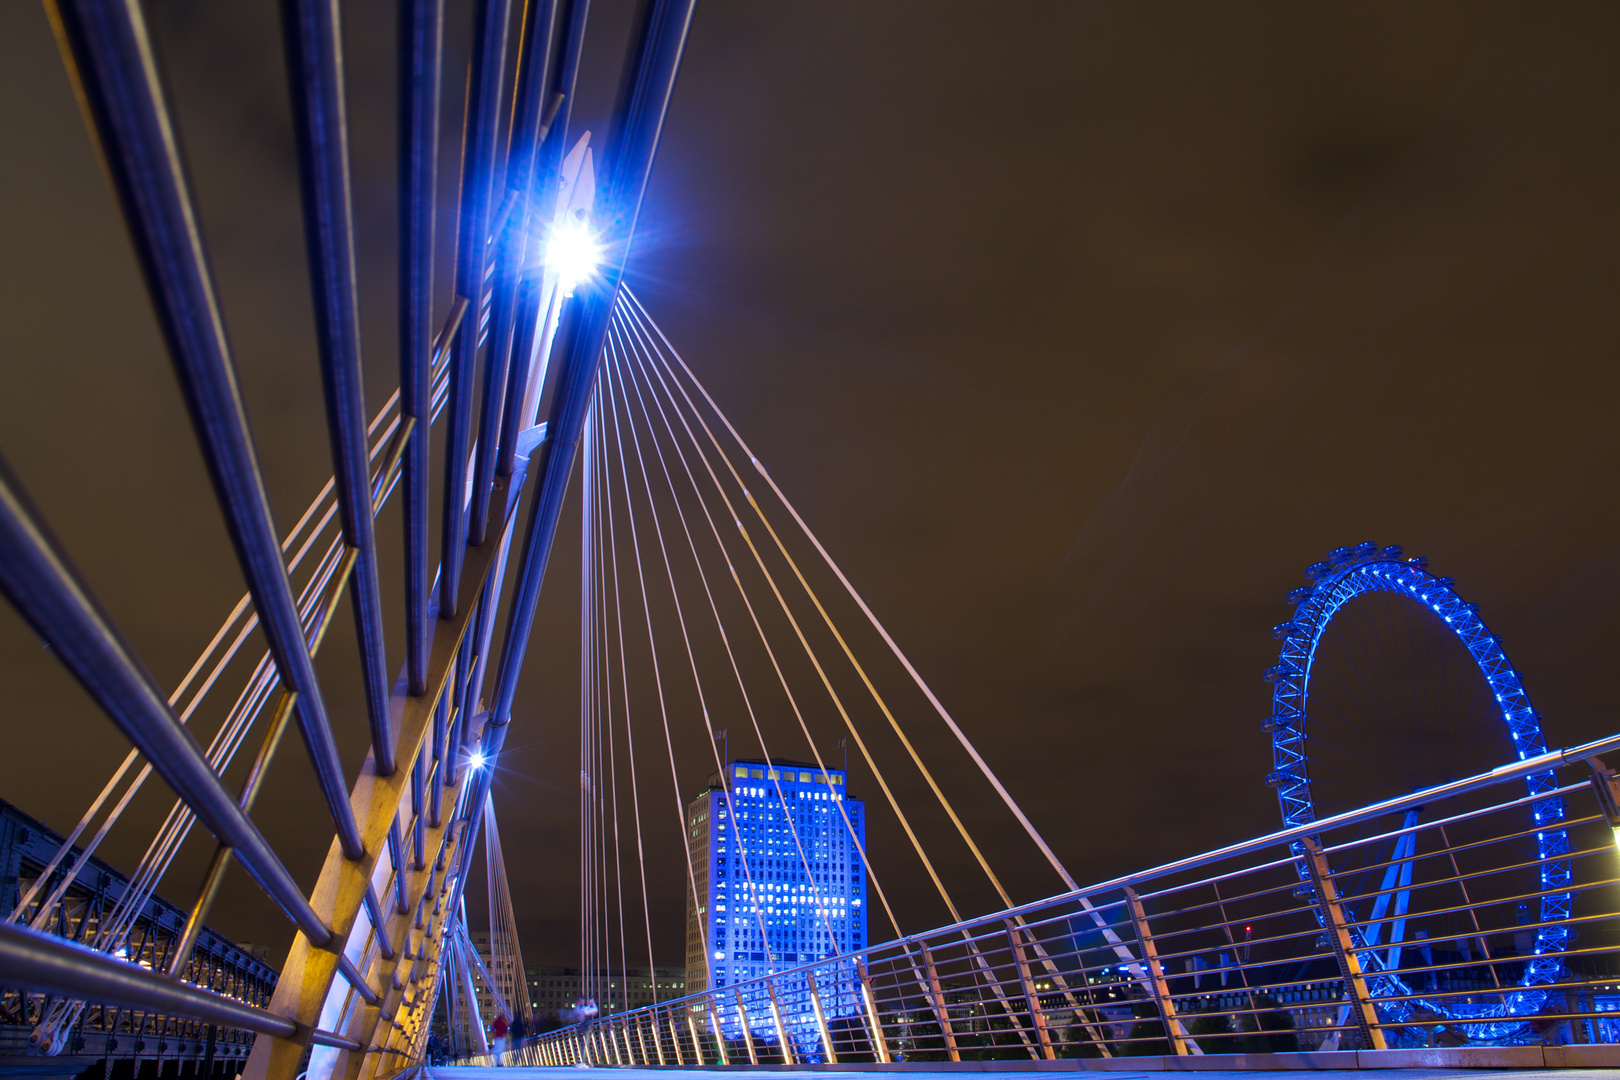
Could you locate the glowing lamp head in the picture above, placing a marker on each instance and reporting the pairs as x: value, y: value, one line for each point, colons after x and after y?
x: 572, y: 254
x: 477, y: 759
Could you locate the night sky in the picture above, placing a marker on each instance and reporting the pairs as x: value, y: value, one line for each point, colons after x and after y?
x: 1075, y: 330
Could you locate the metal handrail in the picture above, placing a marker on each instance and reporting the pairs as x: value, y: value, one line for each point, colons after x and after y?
x: 977, y: 953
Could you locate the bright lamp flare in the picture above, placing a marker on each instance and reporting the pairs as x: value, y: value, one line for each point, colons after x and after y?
x: 477, y: 759
x: 572, y: 253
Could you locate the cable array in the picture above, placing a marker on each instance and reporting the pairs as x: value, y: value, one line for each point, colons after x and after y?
x: 735, y: 642
x: 313, y: 528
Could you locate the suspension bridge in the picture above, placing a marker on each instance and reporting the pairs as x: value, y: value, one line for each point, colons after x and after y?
x: 1440, y: 891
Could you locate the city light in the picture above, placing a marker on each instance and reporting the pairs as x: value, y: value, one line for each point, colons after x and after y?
x: 572, y: 253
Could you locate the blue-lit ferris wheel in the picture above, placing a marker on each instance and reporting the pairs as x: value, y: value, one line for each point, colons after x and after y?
x: 1388, y: 682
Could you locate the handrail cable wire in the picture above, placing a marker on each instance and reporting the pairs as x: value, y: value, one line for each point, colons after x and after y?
x: 798, y: 843
x: 663, y: 708
x: 939, y: 707
x: 629, y: 737
x: 605, y: 663
x: 838, y: 702
x: 242, y: 605
x: 587, y: 766
x: 644, y: 320
x: 849, y: 654
x: 983, y: 969
x: 714, y: 529
x: 764, y: 749
x: 982, y: 964
x: 605, y: 388
x: 753, y: 887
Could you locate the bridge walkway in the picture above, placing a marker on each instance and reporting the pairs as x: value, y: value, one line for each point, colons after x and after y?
x: 931, y: 1071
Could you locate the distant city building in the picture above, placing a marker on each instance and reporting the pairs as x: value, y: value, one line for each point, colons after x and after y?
x: 553, y: 990
x: 776, y: 854
x: 557, y: 988
x: 105, y: 1039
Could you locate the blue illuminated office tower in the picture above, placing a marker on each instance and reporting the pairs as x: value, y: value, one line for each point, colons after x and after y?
x: 776, y: 853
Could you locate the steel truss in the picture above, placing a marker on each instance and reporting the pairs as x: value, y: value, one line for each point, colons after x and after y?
x: 362, y: 976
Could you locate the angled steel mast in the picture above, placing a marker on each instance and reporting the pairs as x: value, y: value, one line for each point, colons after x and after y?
x: 359, y: 982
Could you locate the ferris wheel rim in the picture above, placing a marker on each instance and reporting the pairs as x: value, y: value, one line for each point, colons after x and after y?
x: 1351, y: 572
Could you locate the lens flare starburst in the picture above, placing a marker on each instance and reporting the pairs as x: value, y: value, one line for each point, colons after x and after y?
x: 572, y: 253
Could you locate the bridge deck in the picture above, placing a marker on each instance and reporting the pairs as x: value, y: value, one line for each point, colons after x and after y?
x: 937, y: 1073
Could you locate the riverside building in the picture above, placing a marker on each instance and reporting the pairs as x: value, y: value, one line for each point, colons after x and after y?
x: 781, y: 883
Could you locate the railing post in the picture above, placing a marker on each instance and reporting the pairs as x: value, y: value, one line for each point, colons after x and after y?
x: 781, y: 1029
x: 675, y: 1038
x: 719, y: 1033
x: 658, y: 1044
x: 1157, y: 983
x: 748, y: 1035
x: 697, y: 1044
x: 940, y: 1010
x: 879, y: 1043
x: 1032, y: 997
x: 821, y: 1020
x: 1338, y: 935
x: 641, y: 1037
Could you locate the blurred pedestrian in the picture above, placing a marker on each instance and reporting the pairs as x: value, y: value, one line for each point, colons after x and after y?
x: 500, y: 1037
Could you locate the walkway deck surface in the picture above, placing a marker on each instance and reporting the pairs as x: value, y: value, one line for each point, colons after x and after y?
x: 626, y: 1073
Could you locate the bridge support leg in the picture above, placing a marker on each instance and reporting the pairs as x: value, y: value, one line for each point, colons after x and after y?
x: 1338, y: 935
x: 1155, y: 973
x: 1032, y: 997
x: 788, y: 1057
x: 879, y: 1043
x: 675, y: 1038
x: 940, y: 1010
x: 748, y: 1034
x: 641, y: 1038
x: 821, y: 1021
x: 719, y: 1034
x: 697, y: 1043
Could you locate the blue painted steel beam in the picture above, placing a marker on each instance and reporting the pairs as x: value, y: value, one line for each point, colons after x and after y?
x: 421, y: 49
x: 108, y: 54
x: 314, y: 45
x: 41, y: 583
x: 514, y: 247
x: 479, y: 155
x: 545, y: 166
x: 638, y: 122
